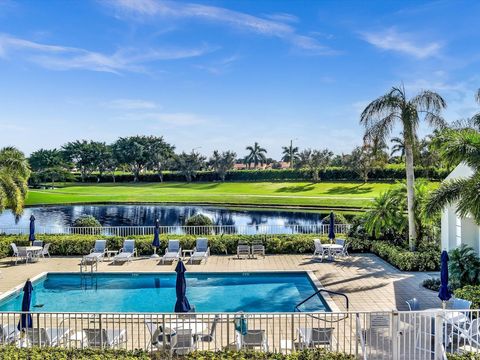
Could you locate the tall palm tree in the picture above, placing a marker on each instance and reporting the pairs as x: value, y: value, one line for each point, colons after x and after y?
x: 290, y: 154
x: 460, y: 145
x: 256, y: 155
x: 14, y: 174
x: 382, y: 114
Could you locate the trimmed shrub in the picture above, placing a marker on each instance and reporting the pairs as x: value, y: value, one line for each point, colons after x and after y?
x: 432, y: 284
x: 56, y: 353
x: 471, y: 293
x: 464, y: 356
x: 198, y: 220
x: 389, y: 173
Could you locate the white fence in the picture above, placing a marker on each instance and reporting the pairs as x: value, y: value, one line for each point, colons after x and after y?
x: 321, y: 229
x: 419, y: 335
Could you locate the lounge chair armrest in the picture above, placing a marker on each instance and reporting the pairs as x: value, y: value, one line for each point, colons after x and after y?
x: 179, y: 251
x: 135, y: 252
x: 208, y: 251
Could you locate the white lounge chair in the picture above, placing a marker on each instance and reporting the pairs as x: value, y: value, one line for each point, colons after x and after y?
x: 173, y: 251
x: 201, y: 250
x: 8, y: 333
x: 313, y: 337
x: 258, y: 248
x: 243, y: 249
x: 252, y: 339
x: 157, y: 333
x: 46, y: 336
x: 105, y: 338
x: 97, y: 253
x: 320, y: 251
x: 209, y: 337
x: 126, y: 253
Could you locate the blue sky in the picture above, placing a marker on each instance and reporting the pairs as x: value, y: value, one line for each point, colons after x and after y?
x: 223, y: 74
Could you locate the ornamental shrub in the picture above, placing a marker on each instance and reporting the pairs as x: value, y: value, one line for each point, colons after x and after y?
x: 471, y: 293
x: 86, y: 221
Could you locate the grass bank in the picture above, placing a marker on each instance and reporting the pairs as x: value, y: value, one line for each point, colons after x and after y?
x: 348, y: 195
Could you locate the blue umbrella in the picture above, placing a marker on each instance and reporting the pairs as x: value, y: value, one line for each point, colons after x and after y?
x: 444, y: 293
x: 182, y: 304
x: 31, y: 237
x: 26, y: 319
x: 331, y: 228
x: 156, y: 238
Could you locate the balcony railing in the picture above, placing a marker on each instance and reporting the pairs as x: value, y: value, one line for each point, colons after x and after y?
x: 368, y: 335
x: 321, y: 229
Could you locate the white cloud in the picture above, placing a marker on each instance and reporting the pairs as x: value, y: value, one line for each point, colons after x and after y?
x: 393, y: 40
x: 58, y: 57
x: 131, y: 104
x: 276, y: 25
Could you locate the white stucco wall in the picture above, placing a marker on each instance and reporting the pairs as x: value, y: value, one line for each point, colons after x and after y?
x: 455, y: 230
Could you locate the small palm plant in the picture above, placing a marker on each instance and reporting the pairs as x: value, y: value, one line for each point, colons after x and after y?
x: 464, y: 267
x: 14, y: 174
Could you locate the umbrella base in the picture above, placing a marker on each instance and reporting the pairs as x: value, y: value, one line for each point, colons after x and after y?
x: 154, y: 256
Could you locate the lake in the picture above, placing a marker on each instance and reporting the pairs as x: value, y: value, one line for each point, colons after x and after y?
x: 169, y: 215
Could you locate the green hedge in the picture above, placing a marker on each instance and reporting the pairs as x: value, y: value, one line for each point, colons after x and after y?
x: 69, y: 245
x: 403, y: 259
x: 464, y: 356
x: 389, y: 173
x: 471, y: 293
x: 75, y: 245
x: 36, y: 353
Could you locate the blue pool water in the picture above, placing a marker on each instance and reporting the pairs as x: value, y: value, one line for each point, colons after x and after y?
x: 155, y: 292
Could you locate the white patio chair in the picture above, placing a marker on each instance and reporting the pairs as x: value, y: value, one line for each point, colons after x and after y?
x: 156, y: 335
x: 313, y: 337
x: 183, y: 342
x: 209, y: 337
x: 243, y: 249
x: 173, y: 251
x: 97, y: 253
x: 470, y: 337
x: 45, y: 250
x: 344, y: 250
x: 258, y: 248
x: 20, y: 253
x: 126, y: 253
x: 252, y: 339
x: 320, y: 251
x: 105, y: 338
x: 201, y: 250
x: 46, y: 336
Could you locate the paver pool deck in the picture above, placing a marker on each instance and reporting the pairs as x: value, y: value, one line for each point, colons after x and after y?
x: 370, y: 283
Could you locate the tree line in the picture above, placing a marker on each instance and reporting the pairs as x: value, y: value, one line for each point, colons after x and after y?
x: 152, y: 154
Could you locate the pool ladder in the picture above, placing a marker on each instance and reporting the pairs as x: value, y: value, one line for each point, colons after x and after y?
x: 84, y: 267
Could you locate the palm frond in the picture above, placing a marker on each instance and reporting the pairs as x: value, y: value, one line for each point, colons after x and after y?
x: 446, y: 194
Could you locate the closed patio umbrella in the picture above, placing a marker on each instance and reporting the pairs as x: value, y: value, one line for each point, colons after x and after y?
x: 331, y: 227
x: 156, y: 238
x: 444, y: 293
x: 182, y: 304
x: 31, y: 236
x: 26, y: 319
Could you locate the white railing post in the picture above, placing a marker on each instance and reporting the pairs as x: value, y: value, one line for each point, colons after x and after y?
x: 439, y: 336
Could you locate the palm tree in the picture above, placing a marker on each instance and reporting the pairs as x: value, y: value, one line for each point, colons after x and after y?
x: 382, y: 114
x: 256, y: 155
x: 14, y: 174
x: 398, y: 147
x: 222, y: 162
x: 290, y: 154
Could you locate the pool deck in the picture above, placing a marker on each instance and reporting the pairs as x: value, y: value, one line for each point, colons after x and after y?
x: 370, y: 283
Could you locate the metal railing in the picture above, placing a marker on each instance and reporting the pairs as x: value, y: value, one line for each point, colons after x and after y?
x: 321, y: 229
x: 369, y: 335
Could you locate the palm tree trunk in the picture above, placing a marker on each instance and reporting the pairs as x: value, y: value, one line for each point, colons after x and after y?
x: 412, y: 231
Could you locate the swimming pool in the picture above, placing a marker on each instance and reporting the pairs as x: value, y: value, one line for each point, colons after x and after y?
x: 155, y: 292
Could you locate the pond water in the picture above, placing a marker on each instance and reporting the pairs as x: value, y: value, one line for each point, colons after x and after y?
x: 169, y: 215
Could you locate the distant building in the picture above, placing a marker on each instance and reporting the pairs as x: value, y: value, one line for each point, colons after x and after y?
x: 458, y: 230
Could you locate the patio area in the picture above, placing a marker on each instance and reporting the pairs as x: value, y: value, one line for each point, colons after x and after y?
x: 370, y: 283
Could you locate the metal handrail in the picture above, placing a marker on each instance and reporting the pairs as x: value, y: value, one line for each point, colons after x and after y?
x: 347, y: 302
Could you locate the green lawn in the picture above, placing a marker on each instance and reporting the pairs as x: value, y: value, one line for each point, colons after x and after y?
x: 324, y: 194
